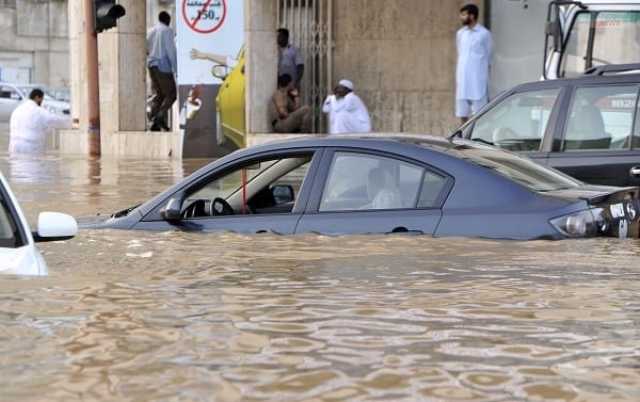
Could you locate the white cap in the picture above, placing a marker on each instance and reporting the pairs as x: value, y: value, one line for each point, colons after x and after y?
x: 346, y: 83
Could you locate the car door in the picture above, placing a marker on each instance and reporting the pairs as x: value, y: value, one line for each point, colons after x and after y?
x: 265, y: 194
x: 598, y: 143
x: 360, y: 192
x: 519, y: 122
x: 10, y: 98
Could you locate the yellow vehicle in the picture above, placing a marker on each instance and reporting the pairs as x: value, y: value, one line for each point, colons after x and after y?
x: 230, y: 103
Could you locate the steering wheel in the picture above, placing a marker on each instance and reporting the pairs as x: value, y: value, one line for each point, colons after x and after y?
x: 219, y: 206
x: 196, y: 209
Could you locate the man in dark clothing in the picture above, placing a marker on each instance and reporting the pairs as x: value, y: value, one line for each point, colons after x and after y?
x: 162, y: 65
x: 290, y: 61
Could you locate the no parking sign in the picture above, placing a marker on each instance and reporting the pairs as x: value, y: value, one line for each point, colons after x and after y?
x: 204, y: 16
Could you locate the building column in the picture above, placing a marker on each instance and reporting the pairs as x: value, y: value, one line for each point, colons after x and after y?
x: 262, y: 62
x: 122, y: 54
x: 78, y: 65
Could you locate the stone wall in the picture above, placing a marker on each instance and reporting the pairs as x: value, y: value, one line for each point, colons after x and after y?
x: 34, y: 34
x: 401, y: 56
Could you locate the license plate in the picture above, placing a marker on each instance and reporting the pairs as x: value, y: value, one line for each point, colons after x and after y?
x: 617, y: 211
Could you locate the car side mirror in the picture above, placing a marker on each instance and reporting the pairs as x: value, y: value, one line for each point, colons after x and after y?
x: 282, y: 194
x: 172, y: 211
x: 54, y: 226
x: 220, y: 71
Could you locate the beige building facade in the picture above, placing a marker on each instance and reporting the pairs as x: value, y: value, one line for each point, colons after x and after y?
x: 34, y: 46
x: 400, y: 54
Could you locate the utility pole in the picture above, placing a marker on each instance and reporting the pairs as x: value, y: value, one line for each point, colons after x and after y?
x: 93, y: 94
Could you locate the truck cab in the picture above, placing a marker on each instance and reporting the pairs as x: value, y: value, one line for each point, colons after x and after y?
x: 582, y: 35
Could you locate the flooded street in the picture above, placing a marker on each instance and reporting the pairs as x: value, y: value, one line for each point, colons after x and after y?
x: 135, y: 316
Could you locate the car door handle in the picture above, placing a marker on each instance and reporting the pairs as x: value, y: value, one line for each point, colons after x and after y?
x: 635, y: 171
x: 402, y: 229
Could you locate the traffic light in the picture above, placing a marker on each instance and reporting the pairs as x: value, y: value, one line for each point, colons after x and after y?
x: 106, y: 13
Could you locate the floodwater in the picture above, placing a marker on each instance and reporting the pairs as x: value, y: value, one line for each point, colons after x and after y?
x: 133, y: 316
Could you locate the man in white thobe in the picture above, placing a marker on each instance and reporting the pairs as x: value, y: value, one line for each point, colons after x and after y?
x: 347, y: 112
x: 474, y: 56
x: 30, y: 123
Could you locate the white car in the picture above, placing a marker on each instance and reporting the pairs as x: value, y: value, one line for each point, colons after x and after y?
x: 18, y: 253
x: 11, y: 95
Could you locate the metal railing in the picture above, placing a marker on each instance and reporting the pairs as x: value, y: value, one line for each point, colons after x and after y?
x: 310, y: 23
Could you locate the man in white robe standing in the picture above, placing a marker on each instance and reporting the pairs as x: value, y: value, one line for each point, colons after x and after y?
x: 347, y: 112
x: 474, y: 56
x: 31, y: 123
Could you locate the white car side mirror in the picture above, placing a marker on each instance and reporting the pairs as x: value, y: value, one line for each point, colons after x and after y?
x: 54, y: 226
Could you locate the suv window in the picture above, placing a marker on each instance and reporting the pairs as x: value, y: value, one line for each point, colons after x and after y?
x: 635, y: 144
x: 368, y: 182
x: 601, y: 118
x: 519, y: 122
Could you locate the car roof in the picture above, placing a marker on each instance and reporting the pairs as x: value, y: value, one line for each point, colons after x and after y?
x: 426, y: 141
x: 620, y: 78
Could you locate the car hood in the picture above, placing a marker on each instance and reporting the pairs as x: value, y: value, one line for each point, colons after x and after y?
x: 595, y: 194
x: 93, y: 222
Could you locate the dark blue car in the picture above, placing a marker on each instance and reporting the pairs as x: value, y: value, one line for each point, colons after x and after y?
x: 386, y: 184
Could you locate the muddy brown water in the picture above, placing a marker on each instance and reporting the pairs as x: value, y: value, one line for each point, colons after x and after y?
x: 134, y: 316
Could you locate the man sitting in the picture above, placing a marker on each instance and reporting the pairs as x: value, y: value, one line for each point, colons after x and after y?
x: 287, y: 113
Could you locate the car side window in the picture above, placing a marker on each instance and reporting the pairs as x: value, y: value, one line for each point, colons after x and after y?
x: 601, y: 118
x: 369, y: 182
x: 519, y: 122
x: 8, y: 228
x: 267, y: 186
x: 432, y: 186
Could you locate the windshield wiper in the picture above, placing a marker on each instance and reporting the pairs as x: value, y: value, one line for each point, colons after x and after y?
x: 124, y: 212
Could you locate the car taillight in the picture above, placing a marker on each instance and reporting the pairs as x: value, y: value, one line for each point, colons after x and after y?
x: 581, y: 224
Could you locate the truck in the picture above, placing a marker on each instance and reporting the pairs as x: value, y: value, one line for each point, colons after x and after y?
x: 582, y: 35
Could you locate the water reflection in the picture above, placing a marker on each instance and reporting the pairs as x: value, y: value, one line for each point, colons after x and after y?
x: 183, y: 316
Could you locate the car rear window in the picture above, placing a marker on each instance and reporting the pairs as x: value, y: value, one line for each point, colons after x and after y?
x: 519, y: 169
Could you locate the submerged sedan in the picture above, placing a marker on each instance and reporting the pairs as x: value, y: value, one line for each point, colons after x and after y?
x: 385, y: 184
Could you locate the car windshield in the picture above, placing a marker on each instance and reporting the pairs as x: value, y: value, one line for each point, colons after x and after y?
x: 601, y: 37
x: 8, y: 229
x: 519, y: 169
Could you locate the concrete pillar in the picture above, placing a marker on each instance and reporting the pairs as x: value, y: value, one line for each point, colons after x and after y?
x: 261, y: 63
x: 122, y: 54
x: 78, y: 66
